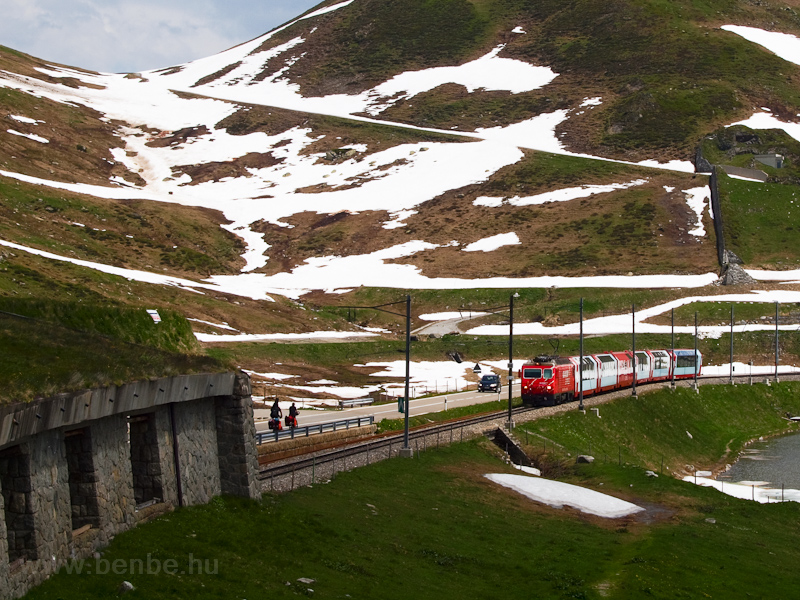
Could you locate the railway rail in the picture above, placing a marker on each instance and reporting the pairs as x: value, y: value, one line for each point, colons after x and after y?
x: 323, y: 466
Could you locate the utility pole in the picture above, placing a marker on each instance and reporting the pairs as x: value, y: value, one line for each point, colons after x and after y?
x: 633, y: 330
x: 406, y: 449
x: 777, y: 348
x: 731, y: 376
x: 510, y: 423
x: 672, y: 361
x: 580, y: 362
x: 695, y: 352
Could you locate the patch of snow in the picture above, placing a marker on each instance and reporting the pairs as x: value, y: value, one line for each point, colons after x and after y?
x: 430, y: 375
x: 372, y: 329
x: 263, y: 337
x: 684, y: 166
x: 558, y: 494
x: 130, y: 274
x: 697, y: 199
x: 326, y: 10
x: 340, y: 392
x: 744, y: 178
x: 217, y: 325
x: 493, y: 243
x: 27, y: 120
x: 323, y: 382
x: 785, y: 45
x: 747, y: 490
x: 596, y: 101
x: 622, y: 323
x: 488, y: 201
x: 399, y: 219
x: 275, y: 376
x: 518, y: 29
x: 566, y: 194
x: 529, y: 470
x: 446, y: 316
x: 30, y: 136
x: 488, y: 72
x: 763, y: 120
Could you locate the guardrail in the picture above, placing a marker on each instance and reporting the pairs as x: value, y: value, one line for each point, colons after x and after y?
x: 355, y: 402
x: 276, y: 435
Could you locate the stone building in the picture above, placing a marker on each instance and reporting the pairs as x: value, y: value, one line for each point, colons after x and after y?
x: 77, y: 469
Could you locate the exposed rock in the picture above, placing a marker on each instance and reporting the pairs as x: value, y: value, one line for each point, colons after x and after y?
x: 734, y: 274
x: 701, y: 165
x: 585, y: 458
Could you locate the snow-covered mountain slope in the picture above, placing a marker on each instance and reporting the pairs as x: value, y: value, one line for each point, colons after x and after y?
x: 327, y: 174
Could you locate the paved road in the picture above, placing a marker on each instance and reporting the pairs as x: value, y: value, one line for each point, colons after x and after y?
x: 419, y: 406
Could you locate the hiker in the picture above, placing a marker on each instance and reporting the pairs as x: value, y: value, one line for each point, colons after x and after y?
x: 275, y: 415
x: 275, y: 412
x: 292, y: 415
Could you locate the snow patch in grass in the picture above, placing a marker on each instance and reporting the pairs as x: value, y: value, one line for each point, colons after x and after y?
x: 766, y: 120
x: 785, y: 45
x: 30, y: 136
x: 493, y: 243
x: 697, y: 199
x: 558, y: 494
x: 446, y: 316
x: 27, y: 120
x: 262, y: 337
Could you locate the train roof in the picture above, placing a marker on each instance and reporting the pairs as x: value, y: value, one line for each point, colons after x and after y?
x: 549, y: 360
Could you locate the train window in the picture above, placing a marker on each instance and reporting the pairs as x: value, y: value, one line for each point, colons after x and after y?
x: 548, y: 373
x: 532, y: 373
x: 661, y: 362
x: 588, y: 366
x: 686, y: 361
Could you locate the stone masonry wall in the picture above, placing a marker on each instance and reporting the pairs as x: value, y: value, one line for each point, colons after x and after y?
x: 197, y: 444
x: 69, y: 481
x: 145, y: 460
x: 236, y: 442
x: 82, y: 479
x: 48, y: 513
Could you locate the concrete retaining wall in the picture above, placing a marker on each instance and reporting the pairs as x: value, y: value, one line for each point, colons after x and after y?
x: 73, y: 467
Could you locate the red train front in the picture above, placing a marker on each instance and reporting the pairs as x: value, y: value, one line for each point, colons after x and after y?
x: 548, y: 380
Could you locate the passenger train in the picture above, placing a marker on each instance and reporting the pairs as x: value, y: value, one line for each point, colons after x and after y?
x: 551, y: 380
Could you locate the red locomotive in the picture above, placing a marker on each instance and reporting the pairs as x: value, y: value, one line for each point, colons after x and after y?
x: 551, y: 380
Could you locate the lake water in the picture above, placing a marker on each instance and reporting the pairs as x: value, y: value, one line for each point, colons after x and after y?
x: 776, y: 461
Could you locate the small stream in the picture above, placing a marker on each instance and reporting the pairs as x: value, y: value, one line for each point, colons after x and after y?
x: 776, y: 461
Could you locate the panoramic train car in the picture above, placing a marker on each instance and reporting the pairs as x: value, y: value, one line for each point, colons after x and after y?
x: 684, y: 363
x: 551, y: 380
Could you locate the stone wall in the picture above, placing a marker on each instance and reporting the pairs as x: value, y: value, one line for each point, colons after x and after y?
x: 197, y: 443
x: 77, y: 470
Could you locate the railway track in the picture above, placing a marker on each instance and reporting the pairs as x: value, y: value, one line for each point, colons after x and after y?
x: 324, y: 465
x: 390, y: 443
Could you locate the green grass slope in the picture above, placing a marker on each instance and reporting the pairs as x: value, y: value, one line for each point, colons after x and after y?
x: 761, y: 221
x: 51, y: 348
